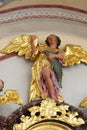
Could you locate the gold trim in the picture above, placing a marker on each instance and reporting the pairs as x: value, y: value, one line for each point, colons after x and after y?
x: 49, y: 126
x: 48, y: 110
x: 83, y: 103
x: 11, y: 96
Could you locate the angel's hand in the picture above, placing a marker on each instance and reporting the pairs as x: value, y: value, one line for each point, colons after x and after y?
x: 57, y: 56
x: 50, y: 57
x: 60, y: 56
x: 33, y: 47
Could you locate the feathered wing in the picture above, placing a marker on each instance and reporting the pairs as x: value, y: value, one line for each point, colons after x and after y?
x: 83, y: 103
x: 20, y: 45
x: 74, y: 54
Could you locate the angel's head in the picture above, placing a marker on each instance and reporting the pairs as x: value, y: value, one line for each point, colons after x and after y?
x: 53, y: 41
x: 1, y: 85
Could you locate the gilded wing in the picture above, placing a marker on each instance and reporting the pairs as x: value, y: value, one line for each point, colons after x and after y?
x: 83, y: 103
x: 20, y: 45
x: 74, y: 54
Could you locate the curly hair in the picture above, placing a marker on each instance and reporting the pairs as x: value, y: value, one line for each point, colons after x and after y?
x: 58, y: 41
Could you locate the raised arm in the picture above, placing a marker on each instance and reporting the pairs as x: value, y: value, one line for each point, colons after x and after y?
x: 34, y: 47
x: 32, y: 40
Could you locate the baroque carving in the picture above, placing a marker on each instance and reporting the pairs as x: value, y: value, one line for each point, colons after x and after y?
x: 49, y: 110
x: 10, y: 96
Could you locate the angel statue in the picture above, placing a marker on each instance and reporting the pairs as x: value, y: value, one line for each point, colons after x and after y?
x: 49, y: 59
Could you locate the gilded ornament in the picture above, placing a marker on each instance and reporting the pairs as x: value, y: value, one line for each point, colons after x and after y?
x: 73, y: 54
x: 48, y: 110
x: 83, y: 103
x: 10, y: 96
x: 20, y: 45
x: 49, y: 126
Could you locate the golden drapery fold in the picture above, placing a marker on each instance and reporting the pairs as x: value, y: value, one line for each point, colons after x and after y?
x: 40, y: 61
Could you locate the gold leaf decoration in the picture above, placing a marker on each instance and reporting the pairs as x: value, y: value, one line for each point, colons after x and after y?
x: 20, y: 45
x: 11, y: 96
x: 83, y: 103
x: 47, y: 111
x: 74, y: 54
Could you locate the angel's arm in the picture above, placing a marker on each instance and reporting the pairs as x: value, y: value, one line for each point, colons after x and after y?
x: 22, y: 46
x: 34, y: 49
x: 59, y: 56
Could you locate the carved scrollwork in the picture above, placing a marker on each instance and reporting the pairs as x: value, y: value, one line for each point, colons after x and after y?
x: 49, y: 110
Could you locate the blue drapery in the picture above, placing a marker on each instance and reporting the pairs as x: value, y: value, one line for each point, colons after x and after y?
x: 57, y: 68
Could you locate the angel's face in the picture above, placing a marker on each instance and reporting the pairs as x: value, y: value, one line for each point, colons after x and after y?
x: 1, y: 85
x: 52, y: 40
